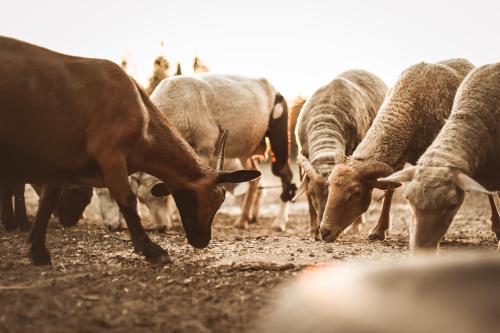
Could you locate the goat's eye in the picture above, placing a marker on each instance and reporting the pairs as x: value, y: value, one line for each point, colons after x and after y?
x: 452, y: 207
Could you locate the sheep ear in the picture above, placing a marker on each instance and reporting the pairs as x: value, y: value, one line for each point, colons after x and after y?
x: 394, y: 181
x: 466, y: 183
x: 302, y: 188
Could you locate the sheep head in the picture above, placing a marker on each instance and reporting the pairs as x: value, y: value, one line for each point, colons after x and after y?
x: 435, y: 194
x: 350, y: 193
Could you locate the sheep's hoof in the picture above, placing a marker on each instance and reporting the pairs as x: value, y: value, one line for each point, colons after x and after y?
x: 253, y: 220
x: 497, y: 234
x: 376, y: 237
x: 241, y: 224
x: 40, y: 256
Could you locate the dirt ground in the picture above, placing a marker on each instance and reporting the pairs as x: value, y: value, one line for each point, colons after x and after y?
x: 96, y: 282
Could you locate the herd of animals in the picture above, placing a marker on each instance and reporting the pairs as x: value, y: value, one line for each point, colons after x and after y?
x: 69, y: 124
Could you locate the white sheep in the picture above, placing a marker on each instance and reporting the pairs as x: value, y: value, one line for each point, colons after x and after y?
x: 465, y: 156
x: 410, y: 118
x: 330, y: 126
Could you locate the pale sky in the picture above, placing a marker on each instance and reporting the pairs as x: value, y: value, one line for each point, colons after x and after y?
x: 297, y: 45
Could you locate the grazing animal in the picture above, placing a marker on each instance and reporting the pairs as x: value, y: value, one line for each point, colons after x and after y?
x: 415, y: 295
x: 87, y: 122
x: 330, y: 126
x: 465, y: 156
x: 141, y: 183
x: 411, y: 116
x: 72, y: 202
x: 200, y: 105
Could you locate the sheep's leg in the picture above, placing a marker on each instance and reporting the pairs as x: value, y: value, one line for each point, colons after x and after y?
x: 378, y: 233
x: 20, y: 207
x: 250, y: 196
x: 116, y: 178
x: 495, y: 219
x: 7, y: 210
x: 313, y: 219
x: 49, y: 197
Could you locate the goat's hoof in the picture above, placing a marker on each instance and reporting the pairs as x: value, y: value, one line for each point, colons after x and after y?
x: 376, y: 237
x: 40, y: 256
x: 241, y: 224
x: 497, y: 234
x: 253, y: 220
x: 156, y: 255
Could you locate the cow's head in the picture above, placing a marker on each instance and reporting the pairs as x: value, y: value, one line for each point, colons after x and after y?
x: 350, y: 194
x: 435, y: 195
x: 199, y: 202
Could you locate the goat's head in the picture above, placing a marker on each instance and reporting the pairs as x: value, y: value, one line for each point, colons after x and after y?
x: 198, y: 204
x: 435, y: 195
x: 350, y: 194
x: 72, y: 202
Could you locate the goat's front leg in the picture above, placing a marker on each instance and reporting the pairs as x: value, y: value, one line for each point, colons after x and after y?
x: 114, y: 169
x: 49, y: 197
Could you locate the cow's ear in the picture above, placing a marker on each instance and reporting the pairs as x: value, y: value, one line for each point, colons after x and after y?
x: 238, y: 176
x: 160, y: 190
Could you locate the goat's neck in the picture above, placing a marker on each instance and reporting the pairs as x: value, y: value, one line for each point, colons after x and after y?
x: 167, y: 156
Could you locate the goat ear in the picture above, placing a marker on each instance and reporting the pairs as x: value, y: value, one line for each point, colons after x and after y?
x: 383, y: 185
x: 160, y: 190
x: 466, y: 183
x: 238, y: 176
x: 302, y: 188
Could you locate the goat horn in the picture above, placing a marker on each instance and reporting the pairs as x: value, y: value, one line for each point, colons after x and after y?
x: 221, y: 149
x: 373, y: 169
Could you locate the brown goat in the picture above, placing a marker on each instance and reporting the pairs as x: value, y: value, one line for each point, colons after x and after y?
x: 82, y: 120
